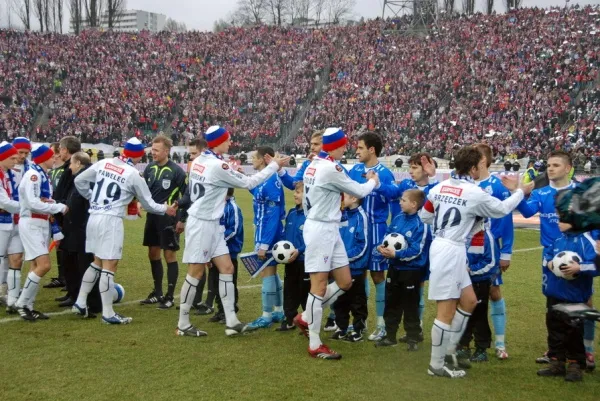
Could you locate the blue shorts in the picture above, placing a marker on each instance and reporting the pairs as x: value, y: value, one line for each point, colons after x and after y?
x: 279, y: 236
x: 377, y: 262
x: 497, y: 279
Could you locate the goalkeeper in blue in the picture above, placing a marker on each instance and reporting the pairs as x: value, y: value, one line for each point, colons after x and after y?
x: 565, y: 336
x: 269, y: 211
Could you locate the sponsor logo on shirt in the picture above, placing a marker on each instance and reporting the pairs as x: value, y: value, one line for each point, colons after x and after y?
x: 451, y: 190
x: 199, y: 168
x: 310, y: 172
x: 114, y: 168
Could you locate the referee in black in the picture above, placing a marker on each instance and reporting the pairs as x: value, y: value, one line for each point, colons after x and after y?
x: 167, y: 182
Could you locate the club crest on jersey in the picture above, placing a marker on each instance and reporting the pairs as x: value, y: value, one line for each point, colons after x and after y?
x: 114, y: 168
x: 310, y: 172
x: 489, y: 190
x: 409, y: 234
x: 325, y: 259
x: 166, y: 184
x: 199, y: 168
x: 225, y: 166
x: 339, y: 168
x: 205, y: 253
x: 451, y: 190
x: 34, y: 178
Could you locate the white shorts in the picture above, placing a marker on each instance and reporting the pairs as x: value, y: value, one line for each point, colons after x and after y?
x: 449, y: 270
x: 104, y: 236
x: 10, y: 242
x: 204, y: 240
x: 325, y: 250
x: 35, y: 236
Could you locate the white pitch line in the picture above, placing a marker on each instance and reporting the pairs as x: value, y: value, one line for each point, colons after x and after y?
x: 529, y: 249
x: 68, y: 310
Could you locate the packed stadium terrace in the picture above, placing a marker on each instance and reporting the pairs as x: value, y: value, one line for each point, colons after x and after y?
x: 525, y: 82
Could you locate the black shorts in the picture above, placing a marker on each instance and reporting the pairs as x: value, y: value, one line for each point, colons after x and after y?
x: 160, y: 231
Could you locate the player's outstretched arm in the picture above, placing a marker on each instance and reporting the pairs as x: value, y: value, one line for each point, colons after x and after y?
x: 488, y: 206
x: 232, y: 179
x: 142, y: 193
x: 84, y: 180
x: 338, y: 179
x: 31, y: 189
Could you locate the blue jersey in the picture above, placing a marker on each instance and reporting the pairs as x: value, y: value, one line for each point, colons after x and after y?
x: 233, y: 221
x: 541, y: 201
x: 395, y: 191
x: 354, y: 233
x: 502, y: 228
x: 294, y: 227
x: 579, y: 289
x: 482, y: 254
x: 269, y: 210
x: 377, y: 206
x: 418, y: 237
x: 289, y: 181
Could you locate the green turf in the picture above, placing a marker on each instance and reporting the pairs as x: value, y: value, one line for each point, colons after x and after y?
x: 67, y: 358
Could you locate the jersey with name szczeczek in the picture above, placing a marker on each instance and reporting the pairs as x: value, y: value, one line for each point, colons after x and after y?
x: 115, y: 183
x: 324, y: 183
x: 454, y: 206
x: 376, y: 206
x: 209, y: 179
x: 166, y: 183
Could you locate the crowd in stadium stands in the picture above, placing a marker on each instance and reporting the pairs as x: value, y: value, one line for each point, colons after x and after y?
x: 523, y: 81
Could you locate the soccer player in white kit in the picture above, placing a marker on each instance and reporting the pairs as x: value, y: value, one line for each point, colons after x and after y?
x: 209, y: 178
x: 324, y: 183
x: 10, y: 242
x: 455, y: 208
x: 36, y: 207
x: 115, y: 183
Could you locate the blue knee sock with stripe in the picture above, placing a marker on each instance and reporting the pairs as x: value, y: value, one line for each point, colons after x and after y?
x: 499, y: 321
x: 279, y: 290
x: 589, y: 331
x: 380, y: 298
x: 269, y: 292
x: 421, y: 304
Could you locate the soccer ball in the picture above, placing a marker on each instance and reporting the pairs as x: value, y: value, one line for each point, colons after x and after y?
x: 561, y: 261
x: 394, y: 242
x: 282, y: 251
x: 119, y: 293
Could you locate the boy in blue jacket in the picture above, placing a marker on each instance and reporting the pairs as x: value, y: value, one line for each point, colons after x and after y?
x: 296, y: 283
x: 406, y: 268
x: 483, y: 254
x: 565, y: 336
x: 354, y: 233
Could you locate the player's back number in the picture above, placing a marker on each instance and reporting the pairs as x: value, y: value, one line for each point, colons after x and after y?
x: 451, y: 216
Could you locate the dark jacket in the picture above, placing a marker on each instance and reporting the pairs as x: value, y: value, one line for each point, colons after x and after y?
x: 62, y: 189
x: 75, y: 222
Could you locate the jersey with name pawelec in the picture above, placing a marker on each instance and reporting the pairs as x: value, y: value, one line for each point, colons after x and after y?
x: 376, y: 206
x: 454, y: 206
x: 324, y: 183
x: 502, y: 228
x: 209, y: 179
x: 115, y: 183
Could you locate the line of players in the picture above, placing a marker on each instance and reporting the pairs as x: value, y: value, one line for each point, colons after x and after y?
x: 327, y: 181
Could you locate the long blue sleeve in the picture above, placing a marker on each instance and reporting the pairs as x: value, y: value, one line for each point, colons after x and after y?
x: 358, y: 247
x: 530, y: 206
x: 508, y: 237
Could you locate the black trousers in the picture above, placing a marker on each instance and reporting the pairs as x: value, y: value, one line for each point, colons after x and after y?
x: 75, y: 264
x: 478, y: 326
x: 296, y: 285
x: 355, y: 301
x: 213, y: 286
x: 402, y: 295
x: 565, y: 335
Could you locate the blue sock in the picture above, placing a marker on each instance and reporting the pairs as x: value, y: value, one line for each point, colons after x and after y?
x: 499, y: 321
x: 421, y: 304
x: 380, y: 298
x: 589, y: 331
x: 368, y: 287
x: 269, y: 290
x: 279, y: 290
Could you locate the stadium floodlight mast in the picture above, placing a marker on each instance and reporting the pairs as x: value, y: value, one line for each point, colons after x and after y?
x: 424, y: 12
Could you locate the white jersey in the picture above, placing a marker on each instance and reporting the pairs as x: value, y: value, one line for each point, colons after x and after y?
x: 18, y: 171
x: 454, y: 206
x: 209, y: 179
x: 30, y: 201
x: 116, y: 183
x: 324, y: 183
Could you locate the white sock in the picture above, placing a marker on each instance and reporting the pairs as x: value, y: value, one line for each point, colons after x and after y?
x: 440, y: 337
x: 332, y: 293
x: 88, y: 282
x: 314, y: 315
x: 3, y: 270
x: 458, y: 326
x: 278, y: 309
x: 14, y: 285
x: 380, y: 321
x: 188, y: 292
x: 267, y: 315
x: 107, y: 286
x: 227, y: 294
x: 30, y: 289
x: 500, y: 340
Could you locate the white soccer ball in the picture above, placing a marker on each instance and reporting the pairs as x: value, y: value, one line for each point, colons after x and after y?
x: 394, y: 242
x: 118, y: 294
x: 282, y: 251
x: 561, y: 262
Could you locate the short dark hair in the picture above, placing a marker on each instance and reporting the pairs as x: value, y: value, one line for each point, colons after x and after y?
x: 200, y: 143
x: 229, y: 191
x: 486, y: 150
x: 71, y: 143
x: 372, y: 140
x: 262, y: 151
x: 417, y: 196
x: 466, y: 158
x: 416, y: 158
x: 563, y: 155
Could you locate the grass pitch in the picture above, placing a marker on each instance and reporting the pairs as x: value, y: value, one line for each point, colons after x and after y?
x: 67, y: 358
